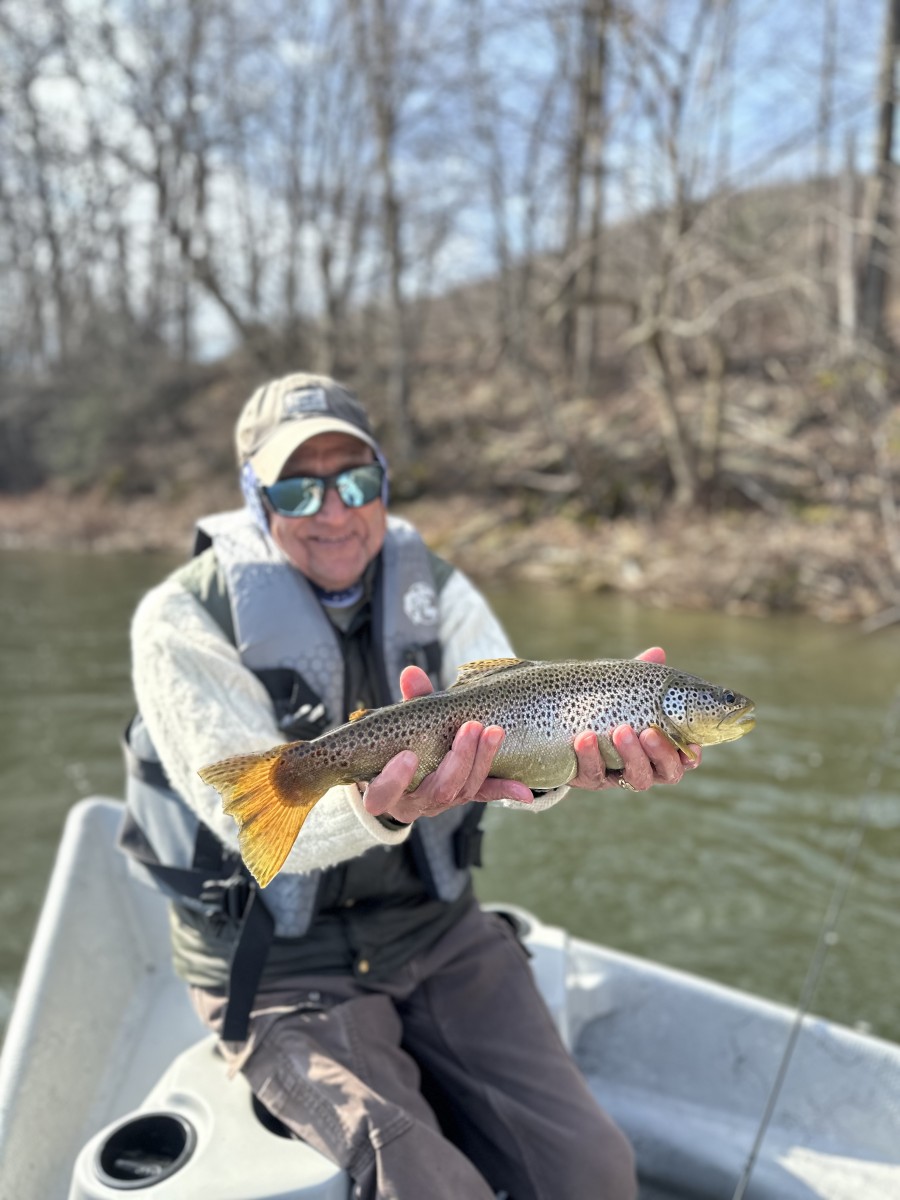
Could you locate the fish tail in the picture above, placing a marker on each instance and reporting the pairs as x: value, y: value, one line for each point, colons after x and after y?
x: 268, y: 804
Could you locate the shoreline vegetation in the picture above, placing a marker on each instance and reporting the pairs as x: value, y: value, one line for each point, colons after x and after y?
x: 825, y: 562
x: 777, y: 493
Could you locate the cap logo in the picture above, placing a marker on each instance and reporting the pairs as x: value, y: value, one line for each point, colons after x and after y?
x: 305, y: 400
x: 420, y: 604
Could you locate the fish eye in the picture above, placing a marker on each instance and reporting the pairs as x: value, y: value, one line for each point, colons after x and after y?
x: 729, y: 697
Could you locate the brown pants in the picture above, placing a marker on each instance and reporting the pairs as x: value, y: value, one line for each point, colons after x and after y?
x: 450, y: 1082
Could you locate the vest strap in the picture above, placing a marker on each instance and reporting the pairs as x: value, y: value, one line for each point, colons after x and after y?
x: 234, y: 898
x: 468, y: 837
x: 196, y: 882
x: 428, y: 657
x: 250, y: 953
x: 299, y: 711
x: 147, y: 770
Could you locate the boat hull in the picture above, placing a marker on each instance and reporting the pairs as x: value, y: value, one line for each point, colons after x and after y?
x: 104, y: 1051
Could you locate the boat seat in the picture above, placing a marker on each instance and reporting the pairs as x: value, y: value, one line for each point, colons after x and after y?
x: 193, y: 1122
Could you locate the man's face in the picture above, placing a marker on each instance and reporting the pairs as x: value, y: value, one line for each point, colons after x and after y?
x: 335, y: 546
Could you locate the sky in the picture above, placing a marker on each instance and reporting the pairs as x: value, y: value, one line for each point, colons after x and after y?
x: 750, y: 76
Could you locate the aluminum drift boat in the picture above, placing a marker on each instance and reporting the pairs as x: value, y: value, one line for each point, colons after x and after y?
x: 108, y: 1082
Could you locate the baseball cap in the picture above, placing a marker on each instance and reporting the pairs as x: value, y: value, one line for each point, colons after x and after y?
x: 283, y: 414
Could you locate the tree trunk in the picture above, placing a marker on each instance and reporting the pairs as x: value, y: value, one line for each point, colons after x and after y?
x: 377, y: 53
x: 678, y: 449
x: 847, y: 301
x: 588, y: 348
x: 584, y: 157
x: 876, y: 269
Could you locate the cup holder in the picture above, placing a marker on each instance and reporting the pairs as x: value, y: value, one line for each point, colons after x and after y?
x: 144, y: 1150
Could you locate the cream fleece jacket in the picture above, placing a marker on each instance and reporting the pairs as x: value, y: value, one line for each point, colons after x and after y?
x: 201, y: 704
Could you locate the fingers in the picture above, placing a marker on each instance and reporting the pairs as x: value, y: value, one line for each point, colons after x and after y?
x: 388, y: 788
x: 650, y: 758
x: 669, y: 763
x: 463, y: 768
x: 591, y: 767
x: 637, y: 769
x: 504, y: 789
x: 461, y: 776
x: 463, y: 773
x: 647, y: 759
x: 414, y: 682
x: 655, y: 654
x: 486, y: 747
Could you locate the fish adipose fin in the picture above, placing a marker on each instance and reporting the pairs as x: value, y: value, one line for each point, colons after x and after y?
x: 473, y: 671
x: 268, y: 816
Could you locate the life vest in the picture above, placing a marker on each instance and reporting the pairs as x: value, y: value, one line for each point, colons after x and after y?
x: 284, y: 636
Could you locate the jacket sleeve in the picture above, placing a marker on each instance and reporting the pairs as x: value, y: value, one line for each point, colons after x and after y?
x: 201, y: 704
x: 470, y: 631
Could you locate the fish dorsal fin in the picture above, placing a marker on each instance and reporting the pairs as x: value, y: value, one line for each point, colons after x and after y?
x: 360, y: 712
x: 473, y: 671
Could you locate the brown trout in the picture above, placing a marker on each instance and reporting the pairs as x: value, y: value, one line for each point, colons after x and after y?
x: 542, y: 706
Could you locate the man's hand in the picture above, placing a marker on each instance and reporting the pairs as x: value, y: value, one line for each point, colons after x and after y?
x: 649, y: 757
x: 461, y: 776
x: 463, y: 773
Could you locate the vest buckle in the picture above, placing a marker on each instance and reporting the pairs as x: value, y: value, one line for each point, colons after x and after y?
x: 224, y: 900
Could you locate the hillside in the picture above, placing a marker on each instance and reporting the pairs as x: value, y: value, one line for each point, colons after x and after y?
x: 715, y: 438
x: 802, y: 519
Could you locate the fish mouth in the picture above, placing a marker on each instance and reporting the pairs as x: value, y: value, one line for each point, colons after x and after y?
x: 739, y: 722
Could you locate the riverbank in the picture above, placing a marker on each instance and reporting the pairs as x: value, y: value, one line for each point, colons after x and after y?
x: 828, y: 563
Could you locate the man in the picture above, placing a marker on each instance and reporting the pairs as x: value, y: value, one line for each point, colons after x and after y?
x: 370, y: 1003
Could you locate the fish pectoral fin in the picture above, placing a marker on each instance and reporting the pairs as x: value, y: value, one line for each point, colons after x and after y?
x: 677, y: 741
x: 480, y: 669
x: 268, y: 816
x: 360, y: 712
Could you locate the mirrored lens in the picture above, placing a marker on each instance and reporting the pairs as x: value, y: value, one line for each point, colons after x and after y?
x: 304, y: 495
x: 359, y: 485
x: 299, y: 497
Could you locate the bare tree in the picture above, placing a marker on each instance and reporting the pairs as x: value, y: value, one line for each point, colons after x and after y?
x: 336, y: 203
x: 584, y: 190
x: 377, y: 47
x: 845, y: 254
x: 35, y: 210
x: 876, y: 265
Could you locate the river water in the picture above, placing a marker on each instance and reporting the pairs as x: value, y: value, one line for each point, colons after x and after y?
x: 728, y: 875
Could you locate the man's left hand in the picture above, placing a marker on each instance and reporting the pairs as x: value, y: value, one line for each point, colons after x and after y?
x: 648, y: 757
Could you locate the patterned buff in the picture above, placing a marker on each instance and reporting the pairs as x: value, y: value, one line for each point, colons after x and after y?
x: 252, y: 498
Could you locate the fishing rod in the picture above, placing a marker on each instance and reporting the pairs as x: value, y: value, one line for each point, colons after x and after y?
x: 828, y: 936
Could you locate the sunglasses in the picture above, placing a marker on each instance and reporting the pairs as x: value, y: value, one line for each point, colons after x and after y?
x: 304, y: 495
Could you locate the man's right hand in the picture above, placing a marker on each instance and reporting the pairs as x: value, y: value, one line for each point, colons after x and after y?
x: 461, y: 776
